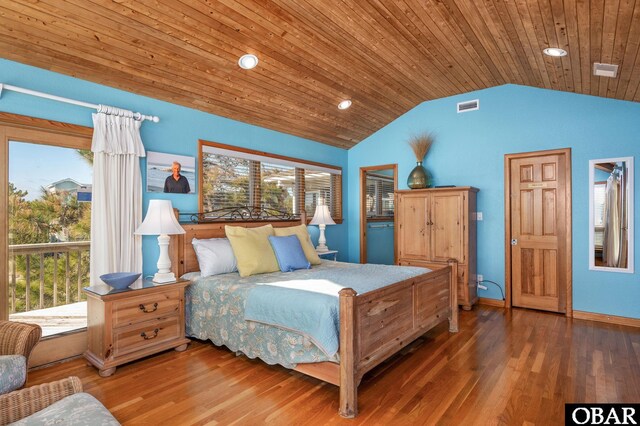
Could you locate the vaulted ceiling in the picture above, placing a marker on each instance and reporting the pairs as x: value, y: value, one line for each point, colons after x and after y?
x: 385, y: 55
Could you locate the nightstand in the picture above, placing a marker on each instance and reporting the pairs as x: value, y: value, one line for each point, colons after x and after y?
x: 126, y: 325
x: 329, y: 254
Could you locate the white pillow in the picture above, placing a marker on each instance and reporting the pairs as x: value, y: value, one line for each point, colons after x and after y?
x: 215, y: 256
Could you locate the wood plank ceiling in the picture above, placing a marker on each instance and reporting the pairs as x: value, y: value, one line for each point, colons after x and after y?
x: 386, y: 55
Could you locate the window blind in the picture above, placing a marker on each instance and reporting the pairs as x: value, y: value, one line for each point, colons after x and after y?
x: 599, y: 192
x: 317, y: 190
x: 277, y: 186
x: 236, y: 178
x: 599, y: 200
x: 225, y: 182
x: 380, y: 196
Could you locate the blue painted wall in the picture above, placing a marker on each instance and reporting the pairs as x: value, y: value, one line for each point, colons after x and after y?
x: 470, y: 148
x: 178, y: 132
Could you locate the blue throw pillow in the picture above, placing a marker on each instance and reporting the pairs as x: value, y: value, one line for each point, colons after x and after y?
x: 289, y: 253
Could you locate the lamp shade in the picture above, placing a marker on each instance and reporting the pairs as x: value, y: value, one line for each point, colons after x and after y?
x: 160, y: 220
x: 322, y: 216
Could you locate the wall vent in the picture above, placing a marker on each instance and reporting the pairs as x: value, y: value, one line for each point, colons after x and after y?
x: 469, y: 106
x: 605, y: 70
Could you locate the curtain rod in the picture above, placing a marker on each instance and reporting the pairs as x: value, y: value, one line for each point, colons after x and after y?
x: 100, y: 108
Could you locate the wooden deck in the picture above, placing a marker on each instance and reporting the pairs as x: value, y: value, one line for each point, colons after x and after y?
x: 56, y: 320
x: 509, y: 367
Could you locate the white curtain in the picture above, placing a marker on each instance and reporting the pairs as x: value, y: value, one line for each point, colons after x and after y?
x: 116, y: 207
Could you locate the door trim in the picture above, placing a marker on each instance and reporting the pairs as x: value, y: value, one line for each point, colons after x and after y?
x: 45, y: 132
x: 566, y: 152
x: 363, y: 208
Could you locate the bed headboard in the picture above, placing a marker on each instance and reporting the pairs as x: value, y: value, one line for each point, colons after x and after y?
x: 183, y: 257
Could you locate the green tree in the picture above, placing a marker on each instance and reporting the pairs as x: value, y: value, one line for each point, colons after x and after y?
x: 276, y: 197
x: 86, y: 154
x: 225, y: 182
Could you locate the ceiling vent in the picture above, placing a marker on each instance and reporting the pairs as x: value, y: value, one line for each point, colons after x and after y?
x: 468, y: 106
x: 605, y: 70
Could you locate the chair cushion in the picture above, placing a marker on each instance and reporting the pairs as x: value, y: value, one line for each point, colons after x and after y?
x: 13, y: 372
x: 77, y: 409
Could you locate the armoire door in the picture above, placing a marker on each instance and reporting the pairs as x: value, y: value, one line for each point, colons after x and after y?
x: 539, y: 235
x: 412, y: 232
x: 446, y: 227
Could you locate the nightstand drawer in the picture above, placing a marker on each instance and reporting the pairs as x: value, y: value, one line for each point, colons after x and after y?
x: 131, y: 339
x: 143, y: 308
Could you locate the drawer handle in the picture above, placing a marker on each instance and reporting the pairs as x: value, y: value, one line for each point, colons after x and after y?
x: 155, y: 334
x: 146, y: 311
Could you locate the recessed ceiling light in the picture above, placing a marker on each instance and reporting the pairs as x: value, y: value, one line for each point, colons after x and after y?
x: 344, y: 104
x: 248, y: 61
x: 554, y: 51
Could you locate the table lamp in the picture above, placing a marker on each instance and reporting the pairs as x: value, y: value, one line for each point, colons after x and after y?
x: 322, y: 218
x: 161, y: 221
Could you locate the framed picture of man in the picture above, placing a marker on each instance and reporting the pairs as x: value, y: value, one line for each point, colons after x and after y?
x: 171, y: 173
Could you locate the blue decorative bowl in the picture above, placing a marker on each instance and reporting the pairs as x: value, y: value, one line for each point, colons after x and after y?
x: 120, y: 280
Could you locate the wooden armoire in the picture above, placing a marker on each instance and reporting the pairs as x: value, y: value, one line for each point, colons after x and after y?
x: 435, y: 225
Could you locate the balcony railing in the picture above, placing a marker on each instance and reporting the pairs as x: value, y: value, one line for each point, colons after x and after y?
x: 47, y: 275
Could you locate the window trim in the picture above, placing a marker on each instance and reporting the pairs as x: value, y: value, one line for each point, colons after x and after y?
x: 203, y: 143
x: 45, y: 132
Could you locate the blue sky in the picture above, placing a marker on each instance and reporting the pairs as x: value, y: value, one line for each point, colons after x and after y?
x: 32, y: 166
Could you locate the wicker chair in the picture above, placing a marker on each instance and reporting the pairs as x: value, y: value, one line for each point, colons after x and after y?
x: 60, y: 402
x: 17, y: 340
x: 25, y: 402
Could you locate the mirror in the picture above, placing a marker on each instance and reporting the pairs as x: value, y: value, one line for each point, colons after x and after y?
x: 611, y: 214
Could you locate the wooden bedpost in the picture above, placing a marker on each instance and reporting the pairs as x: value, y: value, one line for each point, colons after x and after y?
x: 348, y: 380
x: 453, y: 290
x: 303, y: 217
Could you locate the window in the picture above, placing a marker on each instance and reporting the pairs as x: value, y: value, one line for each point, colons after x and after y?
x: 233, y: 177
x: 49, y: 234
x: 599, y: 191
x: 599, y: 199
x: 379, y: 196
x: 46, y: 230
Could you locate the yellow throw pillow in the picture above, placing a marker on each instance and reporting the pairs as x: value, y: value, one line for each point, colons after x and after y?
x: 305, y: 241
x: 252, y: 249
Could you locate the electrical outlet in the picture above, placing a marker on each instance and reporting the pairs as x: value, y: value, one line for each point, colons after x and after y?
x: 479, y: 216
x: 480, y: 278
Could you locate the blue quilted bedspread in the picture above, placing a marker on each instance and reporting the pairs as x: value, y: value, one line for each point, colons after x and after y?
x: 215, y: 309
x: 306, y: 301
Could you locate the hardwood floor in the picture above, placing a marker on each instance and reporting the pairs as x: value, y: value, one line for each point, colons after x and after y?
x: 504, y: 367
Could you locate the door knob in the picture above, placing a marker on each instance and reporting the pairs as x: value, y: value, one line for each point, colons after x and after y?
x: 514, y: 241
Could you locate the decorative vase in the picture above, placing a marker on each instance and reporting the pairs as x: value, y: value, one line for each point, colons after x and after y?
x: 419, y: 177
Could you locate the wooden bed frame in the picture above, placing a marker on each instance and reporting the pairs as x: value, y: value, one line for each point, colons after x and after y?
x: 373, y: 326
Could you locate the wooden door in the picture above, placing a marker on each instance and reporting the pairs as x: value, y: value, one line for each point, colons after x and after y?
x: 539, y: 240
x: 412, y: 232
x: 446, y: 227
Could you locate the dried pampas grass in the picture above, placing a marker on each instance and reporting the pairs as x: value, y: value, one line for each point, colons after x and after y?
x: 420, y: 145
